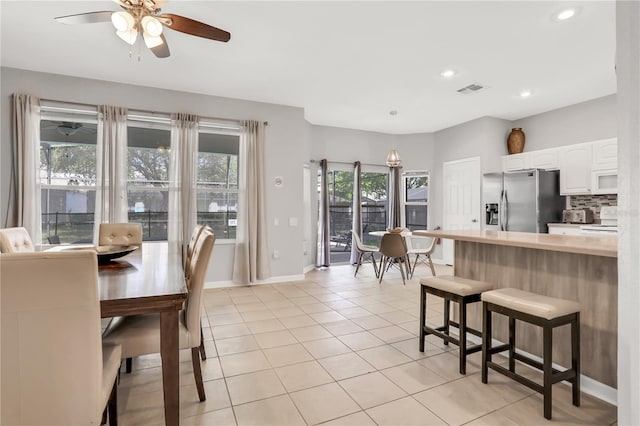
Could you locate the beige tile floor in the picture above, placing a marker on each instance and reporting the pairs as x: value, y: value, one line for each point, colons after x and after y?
x: 338, y: 350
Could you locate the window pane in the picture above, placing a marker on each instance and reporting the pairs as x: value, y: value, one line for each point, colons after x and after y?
x: 67, y: 176
x: 416, y: 217
x: 417, y: 188
x: 219, y: 211
x: 67, y: 153
x: 217, y: 196
x: 374, y: 188
x: 68, y: 213
x: 148, y: 157
x: 217, y: 170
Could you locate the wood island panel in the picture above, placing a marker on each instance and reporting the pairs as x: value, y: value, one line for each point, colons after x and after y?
x: 586, y: 273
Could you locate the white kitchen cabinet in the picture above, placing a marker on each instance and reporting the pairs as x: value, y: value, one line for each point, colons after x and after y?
x: 514, y: 162
x: 564, y: 229
x: 575, y: 163
x: 605, y: 154
x: 546, y: 159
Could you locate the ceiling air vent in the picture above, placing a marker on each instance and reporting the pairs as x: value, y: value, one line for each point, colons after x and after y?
x: 472, y: 88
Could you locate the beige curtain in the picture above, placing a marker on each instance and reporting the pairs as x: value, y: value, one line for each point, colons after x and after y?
x: 324, y: 244
x: 24, y: 188
x: 111, y: 161
x: 251, y: 261
x: 183, y: 169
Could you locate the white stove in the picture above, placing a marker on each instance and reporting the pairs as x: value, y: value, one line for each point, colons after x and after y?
x: 608, y: 223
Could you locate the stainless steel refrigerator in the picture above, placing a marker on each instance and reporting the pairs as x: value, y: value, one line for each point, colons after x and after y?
x: 524, y: 201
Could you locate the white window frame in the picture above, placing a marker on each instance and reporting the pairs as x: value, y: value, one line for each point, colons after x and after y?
x: 412, y: 174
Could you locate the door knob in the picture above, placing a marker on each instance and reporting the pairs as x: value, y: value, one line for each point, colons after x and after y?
x: 474, y: 220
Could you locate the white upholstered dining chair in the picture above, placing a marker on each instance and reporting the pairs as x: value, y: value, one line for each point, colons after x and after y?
x: 55, y: 369
x: 15, y: 240
x: 120, y: 234
x: 364, y: 253
x: 140, y: 334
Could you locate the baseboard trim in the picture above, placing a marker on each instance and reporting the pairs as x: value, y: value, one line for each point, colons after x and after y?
x: 272, y: 280
x: 308, y: 268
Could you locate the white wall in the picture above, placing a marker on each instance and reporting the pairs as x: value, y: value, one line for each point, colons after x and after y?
x: 628, y: 61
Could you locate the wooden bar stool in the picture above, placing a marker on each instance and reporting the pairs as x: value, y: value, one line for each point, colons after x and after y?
x: 543, y: 311
x: 452, y: 289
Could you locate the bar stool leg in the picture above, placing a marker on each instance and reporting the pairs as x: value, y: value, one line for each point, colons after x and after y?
x: 462, y: 328
x: 512, y: 344
x: 423, y: 316
x: 447, y: 306
x: 575, y: 359
x: 486, y: 340
x: 546, y: 369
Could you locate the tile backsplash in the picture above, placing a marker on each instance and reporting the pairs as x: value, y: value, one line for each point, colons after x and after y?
x: 594, y: 202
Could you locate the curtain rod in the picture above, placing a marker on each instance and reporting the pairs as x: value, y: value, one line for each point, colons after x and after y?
x: 347, y: 162
x: 266, y: 123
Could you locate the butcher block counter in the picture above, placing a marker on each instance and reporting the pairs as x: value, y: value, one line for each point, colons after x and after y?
x: 575, y: 267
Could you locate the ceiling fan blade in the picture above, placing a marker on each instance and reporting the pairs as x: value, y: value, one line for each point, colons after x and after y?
x: 161, y: 50
x: 196, y: 28
x: 86, y: 18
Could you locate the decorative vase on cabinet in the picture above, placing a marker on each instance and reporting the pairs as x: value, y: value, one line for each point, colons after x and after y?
x: 515, y: 141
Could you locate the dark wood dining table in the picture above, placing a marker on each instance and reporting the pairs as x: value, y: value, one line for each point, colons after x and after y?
x: 150, y: 280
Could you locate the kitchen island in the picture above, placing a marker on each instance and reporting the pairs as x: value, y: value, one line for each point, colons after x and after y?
x: 574, y: 267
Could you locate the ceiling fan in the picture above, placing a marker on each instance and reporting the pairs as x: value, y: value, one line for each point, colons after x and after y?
x: 144, y: 16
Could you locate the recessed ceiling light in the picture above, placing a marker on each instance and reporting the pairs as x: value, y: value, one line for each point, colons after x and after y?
x: 525, y: 94
x: 448, y: 73
x: 565, y: 14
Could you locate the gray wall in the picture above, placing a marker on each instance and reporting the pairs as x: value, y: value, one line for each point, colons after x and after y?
x: 292, y: 142
x: 287, y: 146
x: 583, y: 122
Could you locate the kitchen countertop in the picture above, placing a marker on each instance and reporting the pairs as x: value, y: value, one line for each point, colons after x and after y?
x: 581, y: 244
x: 569, y: 225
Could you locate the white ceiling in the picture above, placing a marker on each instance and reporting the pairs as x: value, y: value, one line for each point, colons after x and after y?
x: 346, y: 63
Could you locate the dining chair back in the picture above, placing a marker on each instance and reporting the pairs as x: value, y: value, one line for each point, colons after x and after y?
x: 394, y: 252
x: 139, y: 334
x: 365, y: 253
x: 120, y: 234
x: 15, y: 240
x: 54, y: 368
x: 192, y: 243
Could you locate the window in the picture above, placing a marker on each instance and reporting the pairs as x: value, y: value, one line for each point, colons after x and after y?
x: 217, y: 194
x: 374, y: 186
x: 68, y: 173
x: 148, y: 151
x: 416, y: 199
x: 68, y: 178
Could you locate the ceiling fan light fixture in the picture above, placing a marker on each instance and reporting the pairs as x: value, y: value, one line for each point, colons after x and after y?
x: 128, y: 36
x: 151, y: 26
x: 122, y: 21
x: 152, y: 41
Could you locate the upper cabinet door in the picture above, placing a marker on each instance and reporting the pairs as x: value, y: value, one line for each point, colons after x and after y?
x: 514, y: 162
x: 546, y: 159
x: 575, y: 168
x: 605, y: 154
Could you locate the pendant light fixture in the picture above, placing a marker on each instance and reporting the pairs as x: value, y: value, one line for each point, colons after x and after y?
x: 393, y: 157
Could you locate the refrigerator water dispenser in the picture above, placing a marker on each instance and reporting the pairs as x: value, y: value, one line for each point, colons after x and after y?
x: 491, y: 214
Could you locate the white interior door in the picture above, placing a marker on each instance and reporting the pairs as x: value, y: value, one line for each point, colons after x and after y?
x: 461, y: 199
